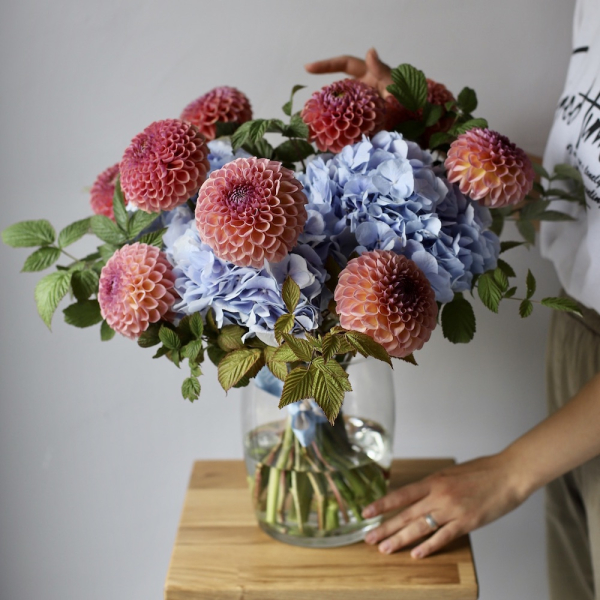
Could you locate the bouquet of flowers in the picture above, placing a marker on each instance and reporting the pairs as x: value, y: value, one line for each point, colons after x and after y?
x: 281, y: 248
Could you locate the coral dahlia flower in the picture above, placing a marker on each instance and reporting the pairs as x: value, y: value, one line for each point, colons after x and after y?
x: 103, y: 191
x: 387, y: 296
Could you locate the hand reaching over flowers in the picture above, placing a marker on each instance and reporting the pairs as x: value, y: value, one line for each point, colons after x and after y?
x: 371, y: 71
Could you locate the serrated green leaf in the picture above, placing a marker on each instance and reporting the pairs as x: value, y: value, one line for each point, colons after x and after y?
x: 41, y: 259
x: 192, y: 349
x: 285, y: 354
x: 511, y: 292
x: 410, y: 87
x: 215, y: 354
x: 367, y: 346
x: 195, y: 369
x: 225, y: 129
x: 527, y: 230
x: 83, y: 314
x: 283, y: 325
x: 326, y: 393
x: 107, y: 333
x: 119, y: 210
x: 190, y: 389
x: 531, y: 285
x: 539, y: 170
x: 175, y: 357
x: 26, y: 234
x: 504, y: 246
x: 525, y: 308
x: 150, y: 337
x: 107, y: 250
x: 196, y: 325
x: 287, y: 107
x: 169, y: 338
x: 162, y: 351
x: 331, y: 346
x: 554, y: 215
x: 230, y: 337
x: 297, y: 385
x: 73, y: 232
x: 458, y: 320
x: 301, y: 348
x: 139, y: 221
x: 333, y: 369
x: 234, y: 366
x: 241, y: 136
x: 84, y: 283
x: 533, y: 209
x: 432, y: 114
x: 106, y: 230
x: 467, y: 100
x: 564, y: 304
x: 459, y: 128
x: 290, y: 294
x: 565, y: 171
x: 49, y: 291
x: 489, y: 292
x: 297, y: 128
x: 410, y: 359
x: 261, y: 149
x: 279, y: 369
x: 439, y: 138
x: 211, y: 323
x: 497, y: 222
x: 293, y: 151
x: 411, y: 130
x: 154, y: 238
x: 506, y: 268
x: 501, y: 279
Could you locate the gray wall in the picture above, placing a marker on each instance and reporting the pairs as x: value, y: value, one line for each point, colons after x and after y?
x: 95, y: 442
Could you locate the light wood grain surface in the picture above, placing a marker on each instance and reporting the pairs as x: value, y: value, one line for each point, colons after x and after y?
x: 221, y: 554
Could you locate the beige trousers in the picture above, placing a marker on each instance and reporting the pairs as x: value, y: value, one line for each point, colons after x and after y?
x: 573, y: 501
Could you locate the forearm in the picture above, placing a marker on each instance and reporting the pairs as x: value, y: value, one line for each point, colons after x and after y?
x: 563, y: 441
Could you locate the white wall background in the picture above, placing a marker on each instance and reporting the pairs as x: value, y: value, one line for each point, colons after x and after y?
x: 95, y: 442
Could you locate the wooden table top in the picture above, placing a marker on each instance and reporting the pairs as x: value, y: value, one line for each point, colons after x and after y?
x: 221, y: 554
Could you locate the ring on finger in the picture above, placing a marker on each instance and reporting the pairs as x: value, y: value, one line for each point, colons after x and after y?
x: 433, y: 524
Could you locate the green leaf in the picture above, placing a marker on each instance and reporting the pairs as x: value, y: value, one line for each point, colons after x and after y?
x: 29, y: 233
x: 565, y: 304
x: 279, y: 369
x: 287, y: 107
x: 195, y: 370
x: 196, y: 325
x: 411, y: 130
x: 525, y: 308
x: 565, y: 171
x: 260, y: 148
x: 527, y: 230
x: 293, y: 151
x: 504, y: 246
x: 533, y: 209
x: 169, y: 338
x: 367, y: 346
x: 467, y: 100
x: 501, y: 279
x: 489, y: 291
x: 506, y: 268
x: 250, y: 131
x: 192, y: 349
x: 283, y: 325
x: 49, y: 291
x: 83, y: 314
x: 432, y: 114
x: 119, y: 210
x: 215, y: 354
x: 140, y: 220
x: 107, y: 250
x: 335, y: 370
x: 297, y: 128
x: 175, y: 357
x: 497, y: 222
x: 410, y: 87
x: 285, y: 354
x: 73, y: 232
x: 290, y: 294
x: 235, y: 365
x: 230, y: 337
x: 458, y: 320
x: 439, y: 138
x: 107, y: 333
x: 410, y: 359
x: 41, y: 259
x: 162, y: 351
x: 539, y: 170
x: 106, y: 230
x: 331, y: 345
x: 459, y: 128
x: 554, y: 215
x: 298, y: 385
x: 225, y: 129
x: 531, y: 285
x: 327, y: 393
x: 154, y: 238
x: 150, y: 337
x: 190, y: 388
x: 301, y: 348
x: 511, y: 292
x: 84, y: 284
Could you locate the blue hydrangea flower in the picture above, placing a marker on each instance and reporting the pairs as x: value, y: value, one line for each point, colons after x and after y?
x: 241, y: 295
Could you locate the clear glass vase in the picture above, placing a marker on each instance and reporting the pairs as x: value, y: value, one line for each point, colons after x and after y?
x: 310, y: 480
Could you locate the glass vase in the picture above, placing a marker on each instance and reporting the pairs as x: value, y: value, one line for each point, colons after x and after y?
x: 309, y: 479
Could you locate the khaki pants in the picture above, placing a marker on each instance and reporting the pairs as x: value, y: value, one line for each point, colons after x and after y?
x: 573, y: 501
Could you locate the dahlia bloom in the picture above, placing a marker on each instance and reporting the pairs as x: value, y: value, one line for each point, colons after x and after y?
x: 164, y: 165
x: 341, y: 113
x: 225, y: 104
x: 488, y: 167
x: 251, y: 210
x: 242, y: 295
x: 103, y: 191
x: 136, y: 289
x: 386, y: 296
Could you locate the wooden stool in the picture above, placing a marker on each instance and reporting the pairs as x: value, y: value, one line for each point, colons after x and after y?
x: 221, y: 554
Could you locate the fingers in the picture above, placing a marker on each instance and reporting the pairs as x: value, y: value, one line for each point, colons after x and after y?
x: 438, y: 540
x: 379, y: 69
x: 397, y: 499
x: 355, y: 67
x: 415, y: 530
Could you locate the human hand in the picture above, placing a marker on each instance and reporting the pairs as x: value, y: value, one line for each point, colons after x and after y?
x: 460, y: 499
x: 371, y: 71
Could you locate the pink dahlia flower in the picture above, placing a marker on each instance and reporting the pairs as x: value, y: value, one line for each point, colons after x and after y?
x: 488, y: 167
x: 251, y: 210
x: 103, y: 191
x: 225, y: 104
x: 164, y: 165
x: 136, y: 289
x: 339, y: 114
x: 386, y: 296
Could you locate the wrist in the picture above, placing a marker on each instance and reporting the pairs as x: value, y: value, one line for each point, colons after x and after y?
x: 521, y: 476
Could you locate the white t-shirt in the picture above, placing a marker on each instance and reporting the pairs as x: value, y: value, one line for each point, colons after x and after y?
x: 574, y: 246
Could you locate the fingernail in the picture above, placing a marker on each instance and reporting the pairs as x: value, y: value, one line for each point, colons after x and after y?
x: 385, y: 548
x: 368, y: 512
x: 417, y: 553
